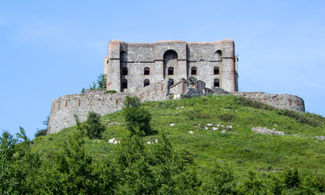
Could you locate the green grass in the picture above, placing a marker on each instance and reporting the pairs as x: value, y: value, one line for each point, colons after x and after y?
x: 241, y: 148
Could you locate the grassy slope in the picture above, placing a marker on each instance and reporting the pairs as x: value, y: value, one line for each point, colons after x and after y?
x: 241, y: 148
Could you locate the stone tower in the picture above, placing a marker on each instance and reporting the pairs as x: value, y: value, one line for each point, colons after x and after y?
x: 133, y: 65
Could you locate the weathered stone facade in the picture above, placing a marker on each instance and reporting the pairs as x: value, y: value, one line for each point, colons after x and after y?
x: 64, y: 108
x: 159, y: 71
x: 134, y: 65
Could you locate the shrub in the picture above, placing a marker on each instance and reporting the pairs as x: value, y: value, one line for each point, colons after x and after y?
x: 299, y: 117
x: 131, y: 102
x: 254, y: 104
x: 196, y: 113
x: 101, y: 82
x: 291, y: 178
x: 41, y: 132
x: 110, y: 91
x: 92, y: 126
x: 136, y: 117
x: 226, y: 117
x: 222, y: 181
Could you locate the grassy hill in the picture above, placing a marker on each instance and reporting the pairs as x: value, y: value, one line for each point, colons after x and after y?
x: 189, y: 124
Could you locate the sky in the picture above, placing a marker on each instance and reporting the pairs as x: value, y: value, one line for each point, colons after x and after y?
x: 52, y: 48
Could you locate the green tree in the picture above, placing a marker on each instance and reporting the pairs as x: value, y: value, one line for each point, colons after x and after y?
x: 136, y: 117
x: 92, y: 126
x: 19, y: 165
x: 43, y: 132
x: 71, y: 169
x: 222, y: 181
x: 7, y: 150
x: 154, y: 170
x: 101, y: 82
x: 291, y: 178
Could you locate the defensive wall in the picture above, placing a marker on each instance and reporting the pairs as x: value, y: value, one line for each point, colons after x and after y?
x: 64, y: 108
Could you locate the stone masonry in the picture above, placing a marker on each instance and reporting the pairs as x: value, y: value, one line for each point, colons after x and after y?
x: 134, y: 65
x: 64, y: 108
x: 161, y: 71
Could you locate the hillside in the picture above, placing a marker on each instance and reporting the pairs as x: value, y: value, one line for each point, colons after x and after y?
x: 191, y: 124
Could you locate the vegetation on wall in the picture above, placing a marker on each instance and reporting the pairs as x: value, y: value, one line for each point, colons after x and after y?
x: 99, y: 85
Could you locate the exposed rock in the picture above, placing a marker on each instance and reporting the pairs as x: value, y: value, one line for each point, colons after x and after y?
x: 319, y: 137
x: 264, y: 130
x: 219, y: 91
x: 113, y: 141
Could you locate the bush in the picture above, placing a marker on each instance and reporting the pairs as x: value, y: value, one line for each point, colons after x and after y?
x: 110, y: 91
x: 291, y: 178
x: 136, y: 117
x: 222, y: 181
x: 131, y: 102
x: 197, y: 113
x: 92, y: 126
x: 101, y: 82
x: 299, y: 117
x: 254, y: 104
x: 41, y: 132
x: 226, y: 117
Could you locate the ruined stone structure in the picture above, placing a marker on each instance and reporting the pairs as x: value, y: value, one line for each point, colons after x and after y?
x: 161, y: 71
x: 135, y: 65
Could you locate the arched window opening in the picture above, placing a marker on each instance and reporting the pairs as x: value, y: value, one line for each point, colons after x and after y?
x: 124, y: 71
x: 193, y: 71
x: 170, y: 71
x: 146, y: 71
x: 218, y: 55
x: 146, y: 82
x: 170, y: 60
x: 216, y: 83
x: 170, y: 82
x: 124, y: 84
x: 216, y: 70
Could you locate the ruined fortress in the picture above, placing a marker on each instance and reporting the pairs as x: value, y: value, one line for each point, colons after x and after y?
x: 135, y: 65
x: 161, y: 71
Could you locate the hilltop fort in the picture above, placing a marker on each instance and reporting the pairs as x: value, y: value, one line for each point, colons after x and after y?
x: 135, y: 65
x: 161, y: 71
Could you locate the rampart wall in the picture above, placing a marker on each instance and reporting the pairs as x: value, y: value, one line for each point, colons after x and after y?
x: 64, y: 108
x: 282, y: 101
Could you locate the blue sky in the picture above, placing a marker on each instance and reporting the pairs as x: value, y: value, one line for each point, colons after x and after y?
x: 52, y: 48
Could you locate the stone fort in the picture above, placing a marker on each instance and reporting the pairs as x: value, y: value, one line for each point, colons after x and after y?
x: 161, y: 71
x: 135, y: 65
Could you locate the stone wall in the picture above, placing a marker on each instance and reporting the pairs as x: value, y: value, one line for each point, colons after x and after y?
x: 64, y: 108
x: 282, y: 101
